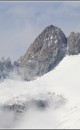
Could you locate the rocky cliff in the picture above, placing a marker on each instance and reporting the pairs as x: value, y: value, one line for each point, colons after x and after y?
x: 44, y: 53
x: 73, y: 43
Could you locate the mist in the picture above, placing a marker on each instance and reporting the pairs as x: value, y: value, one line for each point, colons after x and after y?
x: 50, y: 101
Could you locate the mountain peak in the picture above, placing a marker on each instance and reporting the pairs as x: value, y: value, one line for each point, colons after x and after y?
x: 45, y: 53
x: 51, y: 27
x: 47, y: 50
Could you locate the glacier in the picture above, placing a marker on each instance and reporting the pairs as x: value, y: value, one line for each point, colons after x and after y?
x: 50, y: 101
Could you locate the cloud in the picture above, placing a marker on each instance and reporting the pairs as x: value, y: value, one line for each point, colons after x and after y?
x: 7, y: 119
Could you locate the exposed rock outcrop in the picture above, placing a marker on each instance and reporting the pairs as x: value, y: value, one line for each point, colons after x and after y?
x: 44, y: 53
x: 41, y: 102
x: 73, y: 43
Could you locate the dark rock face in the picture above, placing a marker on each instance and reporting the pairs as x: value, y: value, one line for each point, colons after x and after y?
x: 44, y: 54
x: 73, y: 43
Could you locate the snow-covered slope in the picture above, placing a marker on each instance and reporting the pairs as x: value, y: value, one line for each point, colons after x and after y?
x: 60, y: 88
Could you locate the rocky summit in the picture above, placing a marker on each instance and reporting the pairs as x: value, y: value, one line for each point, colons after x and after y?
x: 73, y: 43
x: 44, y: 53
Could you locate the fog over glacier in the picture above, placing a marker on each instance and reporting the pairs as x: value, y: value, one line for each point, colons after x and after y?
x: 50, y: 101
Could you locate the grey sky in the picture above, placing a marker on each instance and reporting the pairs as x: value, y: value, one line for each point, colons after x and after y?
x: 21, y: 22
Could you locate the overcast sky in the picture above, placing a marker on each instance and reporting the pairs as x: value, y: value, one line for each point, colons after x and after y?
x: 21, y: 22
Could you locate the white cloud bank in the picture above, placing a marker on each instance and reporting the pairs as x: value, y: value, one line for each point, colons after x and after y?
x: 63, y: 80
